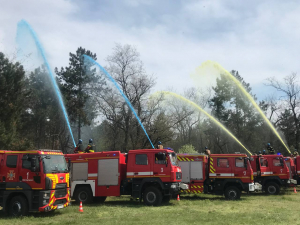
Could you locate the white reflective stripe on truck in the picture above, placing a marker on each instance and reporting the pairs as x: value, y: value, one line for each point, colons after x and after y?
x: 221, y: 174
x: 266, y: 173
x: 93, y: 175
x: 139, y: 173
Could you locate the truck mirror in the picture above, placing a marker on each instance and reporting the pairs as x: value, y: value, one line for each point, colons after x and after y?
x: 25, y: 157
x: 245, y: 162
x: 33, y: 164
x: 69, y: 164
x: 281, y: 162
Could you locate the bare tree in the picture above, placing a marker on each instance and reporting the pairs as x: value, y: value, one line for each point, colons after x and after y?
x: 290, y: 89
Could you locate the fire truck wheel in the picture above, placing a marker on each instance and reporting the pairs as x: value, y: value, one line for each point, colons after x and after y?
x: 152, y: 196
x: 272, y: 188
x: 232, y: 193
x: 84, y: 195
x: 18, y: 206
x: 166, y: 199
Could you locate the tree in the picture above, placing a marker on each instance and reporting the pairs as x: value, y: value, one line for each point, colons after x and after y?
x: 76, y: 80
x: 13, y: 94
x: 127, y: 69
x: 289, y: 118
x: 231, y: 107
x: 43, y: 120
x: 187, y: 149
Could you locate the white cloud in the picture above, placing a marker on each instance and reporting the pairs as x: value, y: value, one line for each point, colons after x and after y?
x: 259, y: 39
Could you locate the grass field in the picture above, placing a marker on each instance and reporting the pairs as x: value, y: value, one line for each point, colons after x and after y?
x: 201, y: 209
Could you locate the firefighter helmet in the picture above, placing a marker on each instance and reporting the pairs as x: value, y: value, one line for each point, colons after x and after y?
x: 91, y: 140
x: 269, y: 144
x: 79, y: 141
x: 159, y: 143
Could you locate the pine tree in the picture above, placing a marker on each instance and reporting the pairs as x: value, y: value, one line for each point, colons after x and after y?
x: 76, y: 80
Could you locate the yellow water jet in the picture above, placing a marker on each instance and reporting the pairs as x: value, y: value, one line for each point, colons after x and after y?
x: 204, y: 66
x: 207, y: 114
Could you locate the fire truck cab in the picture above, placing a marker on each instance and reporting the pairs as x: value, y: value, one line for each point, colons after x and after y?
x: 295, y: 165
x: 36, y: 180
x: 272, y: 172
x: 224, y: 174
x: 152, y: 175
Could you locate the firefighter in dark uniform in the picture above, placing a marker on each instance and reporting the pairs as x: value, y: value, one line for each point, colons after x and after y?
x: 159, y: 145
x: 264, y: 152
x: 296, y: 153
x: 79, y: 147
x: 270, y: 149
x: 89, y: 148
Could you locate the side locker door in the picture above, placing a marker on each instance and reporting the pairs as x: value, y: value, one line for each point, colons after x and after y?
x: 108, y: 172
x: 185, y: 170
x: 12, y: 174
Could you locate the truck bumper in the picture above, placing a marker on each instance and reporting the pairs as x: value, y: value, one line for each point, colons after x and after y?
x: 175, y: 188
x: 50, y: 202
x: 292, y: 181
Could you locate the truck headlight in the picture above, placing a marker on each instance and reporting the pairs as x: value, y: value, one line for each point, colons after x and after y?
x: 173, y: 186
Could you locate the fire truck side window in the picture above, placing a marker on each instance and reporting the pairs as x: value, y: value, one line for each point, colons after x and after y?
x: 239, y: 163
x: 264, y: 162
x: 26, y: 164
x: 11, y: 161
x: 141, y: 159
x: 160, y: 159
x: 276, y: 162
x: 223, y: 162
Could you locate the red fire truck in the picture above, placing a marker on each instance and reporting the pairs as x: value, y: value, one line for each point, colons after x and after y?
x: 224, y: 174
x: 151, y: 175
x: 36, y: 180
x: 272, y: 172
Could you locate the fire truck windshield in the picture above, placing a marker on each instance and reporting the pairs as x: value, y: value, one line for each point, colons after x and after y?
x: 55, y: 164
x: 173, y: 159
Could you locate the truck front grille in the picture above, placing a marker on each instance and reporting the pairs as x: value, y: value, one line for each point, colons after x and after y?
x: 61, y: 185
x: 60, y: 193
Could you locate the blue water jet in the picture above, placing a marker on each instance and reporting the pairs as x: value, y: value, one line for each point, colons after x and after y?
x: 124, y: 96
x: 24, y: 24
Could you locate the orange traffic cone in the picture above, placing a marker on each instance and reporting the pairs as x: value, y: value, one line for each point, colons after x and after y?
x: 178, y: 199
x: 295, y: 191
x: 80, y: 207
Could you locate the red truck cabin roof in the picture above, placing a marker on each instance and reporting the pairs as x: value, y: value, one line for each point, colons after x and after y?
x: 40, y: 152
x: 150, y: 150
x: 228, y: 155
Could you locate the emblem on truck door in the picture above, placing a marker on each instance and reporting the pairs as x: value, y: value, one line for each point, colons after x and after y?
x: 11, y: 175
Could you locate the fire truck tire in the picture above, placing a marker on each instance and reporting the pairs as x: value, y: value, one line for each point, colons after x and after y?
x: 84, y: 195
x: 152, y: 196
x: 18, y: 206
x: 232, y: 193
x: 272, y: 188
x: 166, y: 199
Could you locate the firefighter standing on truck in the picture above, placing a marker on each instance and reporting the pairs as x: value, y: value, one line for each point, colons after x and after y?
x: 270, y: 149
x: 79, y: 147
x: 89, y: 148
x: 207, y: 151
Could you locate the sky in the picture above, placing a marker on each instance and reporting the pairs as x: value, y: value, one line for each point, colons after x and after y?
x: 258, y: 38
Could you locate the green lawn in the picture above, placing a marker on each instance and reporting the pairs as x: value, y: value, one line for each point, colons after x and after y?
x: 201, y: 209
